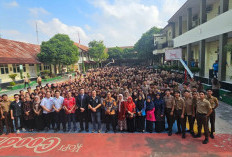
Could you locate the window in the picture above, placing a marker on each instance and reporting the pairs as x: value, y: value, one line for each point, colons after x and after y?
x: 24, y: 68
x: 4, y: 69
x: 46, y: 67
x: 31, y: 64
x: 40, y: 67
x: 16, y: 68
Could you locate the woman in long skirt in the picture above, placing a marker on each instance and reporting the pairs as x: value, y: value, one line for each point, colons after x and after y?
x: 121, y: 105
x: 38, y: 114
x: 140, y: 114
x: 130, y: 108
x: 150, y: 115
x: 159, y: 114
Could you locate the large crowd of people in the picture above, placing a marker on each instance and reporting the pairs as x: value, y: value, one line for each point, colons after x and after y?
x: 126, y: 99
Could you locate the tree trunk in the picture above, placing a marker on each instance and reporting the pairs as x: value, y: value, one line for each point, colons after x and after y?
x: 59, y: 68
x: 50, y: 68
x: 55, y: 69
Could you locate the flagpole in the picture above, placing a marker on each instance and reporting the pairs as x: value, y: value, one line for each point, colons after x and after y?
x: 83, y: 64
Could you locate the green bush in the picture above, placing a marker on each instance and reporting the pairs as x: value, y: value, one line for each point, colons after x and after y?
x: 52, y: 75
x: 195, y: 69
x: 46, y: 72
x: 12, y: 83
x: 13, y: 76
x: 28, y: 75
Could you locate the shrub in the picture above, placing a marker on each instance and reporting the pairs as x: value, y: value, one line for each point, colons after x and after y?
x: 12, y: 83
x: 52, y: 75
x: 28, y: 75
x: 46, y: 72
x: 12, y: 76
x: 195, y: 69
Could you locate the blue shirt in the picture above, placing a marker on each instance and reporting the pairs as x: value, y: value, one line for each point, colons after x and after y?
x: 215, y: 66
x: 58, y: 102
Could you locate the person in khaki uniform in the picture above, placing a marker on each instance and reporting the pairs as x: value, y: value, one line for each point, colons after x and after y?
x: 110, y: 115
x: 203, y: 111
x: 179, y: 109
x: 214, y: 104
x: 189, y: 110
x: 5, y: 109
x: 169, y: 103
x: 1, y: 118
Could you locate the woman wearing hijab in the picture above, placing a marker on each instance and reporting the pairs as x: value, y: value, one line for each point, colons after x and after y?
x: 159, y: 113
x: 38, y: 113
x: 140, y: 114
x: 150, y: 114
x: 130, y: 108
x: 121, y: 113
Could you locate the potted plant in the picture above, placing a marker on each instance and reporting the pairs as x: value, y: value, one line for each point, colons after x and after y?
x: 12, y: 84
x: 194, y: 70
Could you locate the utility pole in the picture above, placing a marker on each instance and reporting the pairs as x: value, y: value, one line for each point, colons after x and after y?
x: 37, y: 33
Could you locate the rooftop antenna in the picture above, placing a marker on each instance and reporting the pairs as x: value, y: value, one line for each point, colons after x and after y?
x: 37, y: 33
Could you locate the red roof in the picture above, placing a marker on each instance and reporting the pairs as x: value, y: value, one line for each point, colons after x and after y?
x: 15, y: 52
x: 82, y: 47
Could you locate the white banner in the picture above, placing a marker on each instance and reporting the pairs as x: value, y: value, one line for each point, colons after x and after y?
x: 173, y: 54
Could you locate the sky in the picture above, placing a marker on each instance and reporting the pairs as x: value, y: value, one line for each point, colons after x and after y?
x: 116, y: 22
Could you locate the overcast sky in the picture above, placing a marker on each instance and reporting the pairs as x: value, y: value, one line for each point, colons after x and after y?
x: 116, y: 22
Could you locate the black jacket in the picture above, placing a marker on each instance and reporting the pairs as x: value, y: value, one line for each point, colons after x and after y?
x: 17, y: 108
x: 82, y: 103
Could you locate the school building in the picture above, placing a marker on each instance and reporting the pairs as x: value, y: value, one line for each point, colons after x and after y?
x: 15, y: 55
x: 202, y: 29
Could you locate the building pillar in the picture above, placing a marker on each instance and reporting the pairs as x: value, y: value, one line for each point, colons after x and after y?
x: 223, y: 38
x: 173, y: 26
x: 180, y: 25
x: 189, y: 19
x: 203, y: 15
x: 189, y: 55
x: 222, y: 57
x: 202, y: 58
x: 224, y: 6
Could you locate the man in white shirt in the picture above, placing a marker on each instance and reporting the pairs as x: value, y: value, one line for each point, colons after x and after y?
x: 59, y: 111
x: 48, y: 111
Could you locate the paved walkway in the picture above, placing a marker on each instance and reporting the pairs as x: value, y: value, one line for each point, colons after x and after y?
x: 12, y: 92
x: 113, y: 145
x: 224, y: 118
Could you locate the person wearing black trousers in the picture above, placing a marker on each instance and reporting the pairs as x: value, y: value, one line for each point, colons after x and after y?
x: 82, y: 102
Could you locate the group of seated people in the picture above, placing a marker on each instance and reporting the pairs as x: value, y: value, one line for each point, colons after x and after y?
x: 129, y: 99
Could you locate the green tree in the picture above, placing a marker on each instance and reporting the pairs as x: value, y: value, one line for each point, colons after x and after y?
x: 97, y: 51
x: 115, y: 53
x: 129, y: 53
x: 145, y: 45
x: 59, y: 50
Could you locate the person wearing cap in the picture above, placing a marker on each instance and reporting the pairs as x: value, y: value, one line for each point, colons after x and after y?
x: 203, y: 110
x: 179, y: 110
x: 214, y: 104
x: 169, y: 104
x: 5, y: 106
x: 189, y: 111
